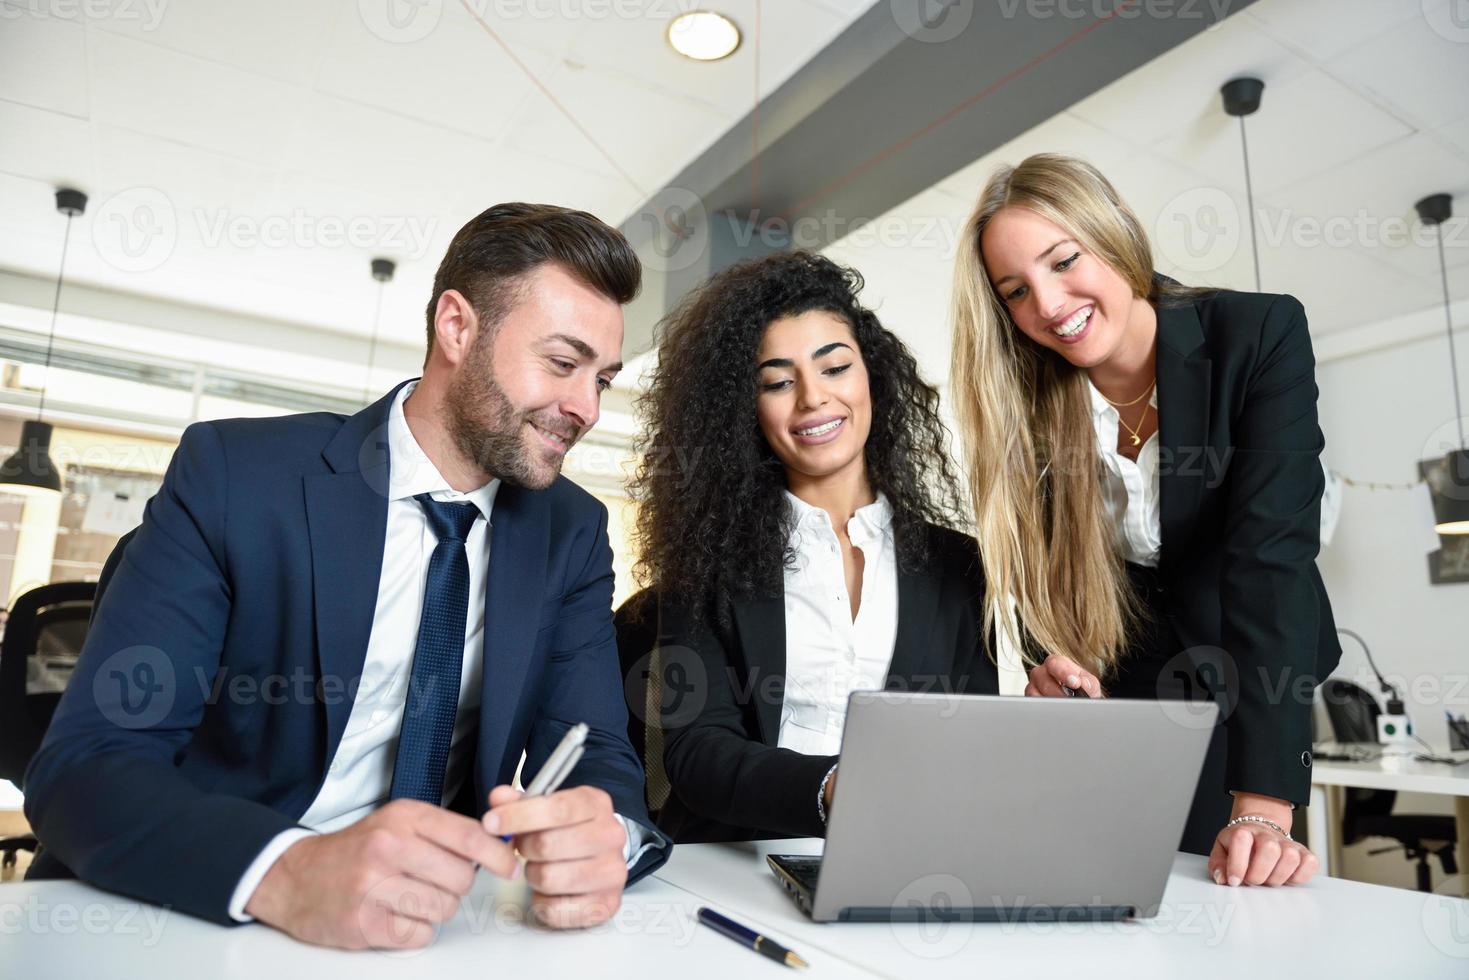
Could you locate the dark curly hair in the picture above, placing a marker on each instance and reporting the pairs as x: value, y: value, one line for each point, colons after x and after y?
x: 713, y: 521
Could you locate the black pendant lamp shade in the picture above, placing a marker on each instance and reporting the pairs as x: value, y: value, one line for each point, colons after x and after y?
x: 30, y: 469
x: 1449, y: 485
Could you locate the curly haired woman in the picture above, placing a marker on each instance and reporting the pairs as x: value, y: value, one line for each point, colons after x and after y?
x: 801, y: 550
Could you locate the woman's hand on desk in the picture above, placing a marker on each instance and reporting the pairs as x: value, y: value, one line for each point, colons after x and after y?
x: 1253, y: 853
x: 385, y: 882
x: 572, y: 843
x: 1056, y: 674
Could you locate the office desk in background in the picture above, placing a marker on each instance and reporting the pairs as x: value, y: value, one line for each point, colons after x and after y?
x: 1404, y: 775
x: 1328, y: 928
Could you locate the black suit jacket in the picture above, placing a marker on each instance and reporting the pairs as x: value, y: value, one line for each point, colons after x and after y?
x: 729, y: 780
x: 1240, y: 484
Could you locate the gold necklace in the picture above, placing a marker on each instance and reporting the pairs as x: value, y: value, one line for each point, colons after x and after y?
x: 1136, y: 439
x: 1133, y: 402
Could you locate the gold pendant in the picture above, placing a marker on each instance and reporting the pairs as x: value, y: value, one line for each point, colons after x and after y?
x: 1136, y: 440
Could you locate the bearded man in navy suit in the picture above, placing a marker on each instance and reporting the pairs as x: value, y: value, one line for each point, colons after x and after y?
x: 321, y: 657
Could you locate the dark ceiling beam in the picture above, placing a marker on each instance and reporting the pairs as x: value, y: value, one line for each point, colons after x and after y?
x: 909, y: 93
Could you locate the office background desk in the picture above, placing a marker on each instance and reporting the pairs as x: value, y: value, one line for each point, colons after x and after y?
x: 1327, y: 928
x: 1405, y: 775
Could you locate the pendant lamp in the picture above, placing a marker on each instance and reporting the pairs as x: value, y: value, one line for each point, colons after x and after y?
x: 30, y: 470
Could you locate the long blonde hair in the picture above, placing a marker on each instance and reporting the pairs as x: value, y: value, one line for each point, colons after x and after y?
x: 1055, y: 582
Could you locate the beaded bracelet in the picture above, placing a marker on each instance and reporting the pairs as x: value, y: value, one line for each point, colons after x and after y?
x: 1251, y: 818
x: 821, y: 794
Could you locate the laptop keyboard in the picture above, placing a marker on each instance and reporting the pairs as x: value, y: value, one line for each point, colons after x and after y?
x: 804, y: 870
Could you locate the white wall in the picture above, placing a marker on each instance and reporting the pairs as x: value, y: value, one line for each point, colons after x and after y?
x: 1382, y: 412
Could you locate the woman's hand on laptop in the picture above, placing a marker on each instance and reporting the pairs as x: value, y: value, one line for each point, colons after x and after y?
x: 1253, y: 852
x: 572, y: 843
x: 1058, y: 673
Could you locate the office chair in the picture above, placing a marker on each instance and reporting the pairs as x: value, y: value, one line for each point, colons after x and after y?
x: 1353, y: 713
x: 48, y: 622
x: 43, y: 636
x: 636, y: 622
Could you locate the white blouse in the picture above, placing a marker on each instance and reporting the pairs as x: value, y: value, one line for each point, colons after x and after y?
x: 1129, y: 489
x: 828, y: 655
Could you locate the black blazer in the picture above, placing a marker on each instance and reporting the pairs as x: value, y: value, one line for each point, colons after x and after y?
x: 1240, y: 484
x: 729, y: 780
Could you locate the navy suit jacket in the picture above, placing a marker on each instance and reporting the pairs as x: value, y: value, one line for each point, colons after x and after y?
x: 221, y: 665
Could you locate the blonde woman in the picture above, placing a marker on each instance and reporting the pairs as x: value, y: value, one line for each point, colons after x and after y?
x: 1144, y: 465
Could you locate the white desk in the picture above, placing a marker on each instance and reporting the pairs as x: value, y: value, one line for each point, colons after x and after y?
x: 64, y: 929
x: 1405, y: 775
x: 1328, y: 928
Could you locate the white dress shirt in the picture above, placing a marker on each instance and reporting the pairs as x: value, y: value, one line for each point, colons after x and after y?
x: 360, y: 776
x: 1129, y: 489
x: 828, y: 655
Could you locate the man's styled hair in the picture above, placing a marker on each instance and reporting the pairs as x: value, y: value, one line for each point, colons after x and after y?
x: 490, y: 256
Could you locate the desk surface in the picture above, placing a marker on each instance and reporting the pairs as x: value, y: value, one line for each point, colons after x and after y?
x: 1395, y: 772
x: 1328, y: 928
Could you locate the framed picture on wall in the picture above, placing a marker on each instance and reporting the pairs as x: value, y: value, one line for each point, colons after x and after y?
x: 1450, y: 563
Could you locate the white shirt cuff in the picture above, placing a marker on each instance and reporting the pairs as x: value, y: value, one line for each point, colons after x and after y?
x: 639, y: 841
x: 255, y: 873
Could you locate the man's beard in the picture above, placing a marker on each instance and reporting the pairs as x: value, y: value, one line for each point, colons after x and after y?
x: 487, y: 428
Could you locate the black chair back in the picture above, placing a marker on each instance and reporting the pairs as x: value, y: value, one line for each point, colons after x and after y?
x: 44, y: 634
x: 1351, y: 709
x: 1353, y: 713
x: 636, y: 622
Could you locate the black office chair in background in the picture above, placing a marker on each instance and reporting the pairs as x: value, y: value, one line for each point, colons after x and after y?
x: 636, y: 621
x: 48, y: 625
x: 1353, y: 713
x: 44, y: 634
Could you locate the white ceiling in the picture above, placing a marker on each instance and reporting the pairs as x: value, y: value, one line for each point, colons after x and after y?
x: 1366, y: 109
x: 253, y: 156
x: 225, y: 120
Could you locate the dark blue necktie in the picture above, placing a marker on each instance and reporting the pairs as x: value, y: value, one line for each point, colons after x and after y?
x: 433, y: 689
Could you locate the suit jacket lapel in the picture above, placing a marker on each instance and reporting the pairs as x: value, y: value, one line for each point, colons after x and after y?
x: 761, y: 625
x: 519, y: 541
x: 347, y: 519
x: 1184, y: 374
x: 918, y: 599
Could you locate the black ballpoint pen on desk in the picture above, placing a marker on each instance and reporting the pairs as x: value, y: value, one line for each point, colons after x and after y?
x: 749, y: 937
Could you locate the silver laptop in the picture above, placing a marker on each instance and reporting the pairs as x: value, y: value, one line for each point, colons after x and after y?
x: 976, y: 808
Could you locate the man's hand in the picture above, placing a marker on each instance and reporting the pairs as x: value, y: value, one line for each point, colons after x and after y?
x: 387, y: 881
x: 572, y: 844
x: 1058, y: 672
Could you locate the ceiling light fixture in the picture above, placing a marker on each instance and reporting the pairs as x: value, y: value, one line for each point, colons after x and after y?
x: 1451, y: 487
x: 382, y: 271
x: 30, y: 470
x: 1242, y: 98
x: 703, y: 35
